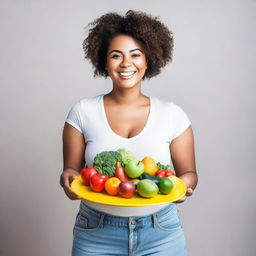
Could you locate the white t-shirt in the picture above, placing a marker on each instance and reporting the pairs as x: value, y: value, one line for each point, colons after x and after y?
x: 166, y: 121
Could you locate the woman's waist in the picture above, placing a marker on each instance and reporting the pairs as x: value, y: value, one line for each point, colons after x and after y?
x: 121, y: 211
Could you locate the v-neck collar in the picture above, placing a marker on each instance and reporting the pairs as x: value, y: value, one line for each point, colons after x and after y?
x: 121, y: 137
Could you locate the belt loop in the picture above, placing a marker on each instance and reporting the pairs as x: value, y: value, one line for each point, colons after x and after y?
x: 101, y: 220
x: 154, y: 219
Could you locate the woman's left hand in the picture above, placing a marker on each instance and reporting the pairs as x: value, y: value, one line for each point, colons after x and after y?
x: 183, y: 199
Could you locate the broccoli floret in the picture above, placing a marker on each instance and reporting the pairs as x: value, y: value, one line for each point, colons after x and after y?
x: 164, y: 167
x: 105, y: 162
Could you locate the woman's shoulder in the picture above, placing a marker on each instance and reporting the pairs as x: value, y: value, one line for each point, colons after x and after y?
x: 163, y: 103
x: 88, y: 102
x: 91, y: 99
x: 167, y: 106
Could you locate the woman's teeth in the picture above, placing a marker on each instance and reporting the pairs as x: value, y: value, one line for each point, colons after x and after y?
x: 127, y: 74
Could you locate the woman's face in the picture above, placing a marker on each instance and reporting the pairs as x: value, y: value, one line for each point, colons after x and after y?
x: 126, y: 61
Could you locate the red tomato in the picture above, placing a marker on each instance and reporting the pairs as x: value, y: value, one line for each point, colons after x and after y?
x: 161, y: 173
x: 86, y: 174
x: 170, y: 173
x: 97, y: 182
x: 105, y: 177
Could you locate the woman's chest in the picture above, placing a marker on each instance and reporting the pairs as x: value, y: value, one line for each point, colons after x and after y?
x: 125, y: 122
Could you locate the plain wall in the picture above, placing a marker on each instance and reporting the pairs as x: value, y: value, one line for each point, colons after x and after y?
x: 212, y: 77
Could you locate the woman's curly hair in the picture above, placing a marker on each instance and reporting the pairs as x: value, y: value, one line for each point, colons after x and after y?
x: 154, y: 36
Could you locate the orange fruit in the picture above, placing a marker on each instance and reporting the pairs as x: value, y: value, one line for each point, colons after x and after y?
x: 111, y: 186
x: 150, y: 165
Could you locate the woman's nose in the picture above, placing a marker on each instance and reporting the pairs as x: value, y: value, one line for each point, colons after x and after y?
x: 125, y: 62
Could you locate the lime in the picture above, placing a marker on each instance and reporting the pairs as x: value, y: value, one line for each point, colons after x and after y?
x: 165, y: 185
x: 147, y: 188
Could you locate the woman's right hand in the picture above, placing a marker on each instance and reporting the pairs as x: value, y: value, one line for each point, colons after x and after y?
x: 66, y: 178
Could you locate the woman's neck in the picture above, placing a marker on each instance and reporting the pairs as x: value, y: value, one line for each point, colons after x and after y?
x: 125, y: 96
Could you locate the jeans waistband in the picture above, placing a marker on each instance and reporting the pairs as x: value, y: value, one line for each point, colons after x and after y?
x: 125, y: 221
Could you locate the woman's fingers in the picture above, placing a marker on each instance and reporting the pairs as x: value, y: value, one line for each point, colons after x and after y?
x: 65, y: 181
x: 189, y: 192
x: 71, y: 195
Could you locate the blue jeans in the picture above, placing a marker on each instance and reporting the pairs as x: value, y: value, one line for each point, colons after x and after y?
x: 159, y: 234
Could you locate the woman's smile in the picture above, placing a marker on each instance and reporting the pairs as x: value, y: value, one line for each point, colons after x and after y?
x: 127, y: 75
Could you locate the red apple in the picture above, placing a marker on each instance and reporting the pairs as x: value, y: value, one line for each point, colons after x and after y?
x: 126, y: 189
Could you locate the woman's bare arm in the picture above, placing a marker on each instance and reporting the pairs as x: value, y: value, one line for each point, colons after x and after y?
x: 73, y: 157
x: 183, y: 158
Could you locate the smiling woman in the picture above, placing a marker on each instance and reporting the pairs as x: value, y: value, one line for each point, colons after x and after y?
x: 127, y: 49
x: 149, y: 31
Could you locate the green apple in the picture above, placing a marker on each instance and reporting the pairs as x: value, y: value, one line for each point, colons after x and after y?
x: 134, y: 168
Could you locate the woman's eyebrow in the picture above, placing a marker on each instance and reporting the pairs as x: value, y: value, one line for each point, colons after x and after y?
x: 137, y: 49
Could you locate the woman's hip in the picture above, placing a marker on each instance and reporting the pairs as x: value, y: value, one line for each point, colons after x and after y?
x: 97, y: 233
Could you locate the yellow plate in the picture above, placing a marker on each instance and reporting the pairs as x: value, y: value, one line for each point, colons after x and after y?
x: 85, y: 192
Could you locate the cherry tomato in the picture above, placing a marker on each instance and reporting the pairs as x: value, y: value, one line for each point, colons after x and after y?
x: 86, y: 174
x: 161, y: 173
x: 111, y: 186
x: 169, y: 173
x: 165, y: 173
x: 97, y: 182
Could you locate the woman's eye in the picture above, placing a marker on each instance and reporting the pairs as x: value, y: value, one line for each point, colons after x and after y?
x: 136, y: 55
x: 115, y: 56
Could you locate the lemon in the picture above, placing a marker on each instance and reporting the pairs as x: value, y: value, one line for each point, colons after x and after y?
x: 150, y: 165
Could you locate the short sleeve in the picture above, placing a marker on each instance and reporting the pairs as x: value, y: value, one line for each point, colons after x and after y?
x: 180, y: 121
x: 74, y: 117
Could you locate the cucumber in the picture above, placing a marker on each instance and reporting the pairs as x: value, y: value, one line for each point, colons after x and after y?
x: 150, y: 177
